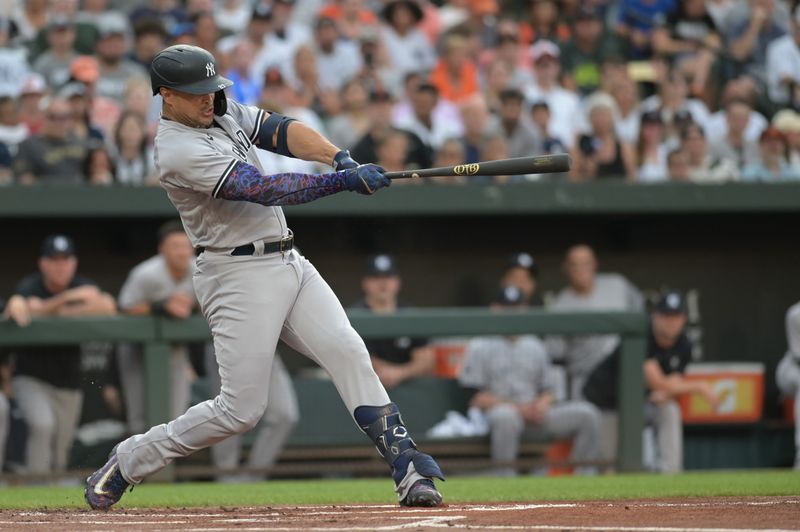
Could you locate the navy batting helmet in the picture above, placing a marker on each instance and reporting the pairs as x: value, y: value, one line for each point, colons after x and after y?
x: 189, y: 69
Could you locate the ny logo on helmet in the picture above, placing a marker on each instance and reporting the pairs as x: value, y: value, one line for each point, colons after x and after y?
x: 210, y: 70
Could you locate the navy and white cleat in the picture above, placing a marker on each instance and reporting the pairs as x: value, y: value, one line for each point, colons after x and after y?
x: 106, y: 485
x: 422, y: 493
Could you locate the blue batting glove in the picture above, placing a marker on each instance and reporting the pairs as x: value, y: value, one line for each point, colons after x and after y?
x: 343, y: 161
x: 366, y: 178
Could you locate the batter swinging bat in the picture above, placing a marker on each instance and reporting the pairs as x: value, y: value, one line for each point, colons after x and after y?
x: 539, y: 164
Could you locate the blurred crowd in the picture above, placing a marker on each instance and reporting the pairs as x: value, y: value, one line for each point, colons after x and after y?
x: 641, y: 90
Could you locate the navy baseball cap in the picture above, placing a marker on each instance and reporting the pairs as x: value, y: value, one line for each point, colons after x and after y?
x: 55, y: 245
x: 381, y: 265
x: 510, y: 296
x: 671, y: 302
x: 523, y: 260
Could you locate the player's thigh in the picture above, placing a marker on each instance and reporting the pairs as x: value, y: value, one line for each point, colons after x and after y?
x: 282, y: 406
x: 787, y: 375
x: 245, y: 300
x: 317, y: 325
x: 564, y: 420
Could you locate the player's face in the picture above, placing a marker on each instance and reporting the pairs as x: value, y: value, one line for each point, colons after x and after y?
x: 58, y: 270
x: 193, y: 110
x: 176, y: 250
x: 580, y: 267
x: 668, y: 326
x: 522, y: 279
x: 381, y: 287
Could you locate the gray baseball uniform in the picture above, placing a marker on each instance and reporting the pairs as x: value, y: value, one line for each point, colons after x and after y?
x: 517, y: 370
x: 150, y: 282
x: 787, y: 374
x: 249, y: 301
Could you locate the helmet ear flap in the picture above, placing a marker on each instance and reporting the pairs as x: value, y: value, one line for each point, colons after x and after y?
x: 220, y: 103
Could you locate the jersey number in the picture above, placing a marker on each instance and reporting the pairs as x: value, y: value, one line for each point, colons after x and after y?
x: 240, y: 149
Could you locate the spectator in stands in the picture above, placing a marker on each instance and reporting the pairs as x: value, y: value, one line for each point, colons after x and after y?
x: 783, y: 66
x: 628, y: 118
x: 743, y: 89
x: 479, y: 125
x: 285, y: 36
x: 445, y: 115
x: 669, y: 351
x: 116, y: 70
x: 159, y: 286
x: 133, y: 154
x: 674, y: 106
x: 564, y: 104
x: 583, y: 55
x: 392, y: 152
x: 206, y: 33
x: 81, y: 126
x: 521, y: 135
x: 651, y: 151
x: 30, y: 108
x: 678, y: 165
x: 351, y: 16
x: 734, y: 146
x: 99, y: 168
x: 12, y: 130
x: 703, y: 167
x: 30, y: 18
x: 508, y: 50
x: 149, y: 38
x: 589, y: 290
x: 544, y: 23
x: 455, y: 76
x: 689, y: 36
x: 353, y: 121
x: 338, y: 60
x: 246, y: 89
x: 495, y: 80
x: 6, y: 164
x: 47, y: 383
x: 753, y: 26
x: 103, y: 112
x: 636, y: 22
x: 421, y: 120
x: 232, y: 16
x: 170, y: 12
x: 787, y: 374
x: 541, y: 118
x: 380, y: 111
x: 787, y: 122
x: 511, y: 380
x: 304, y: 80
x: 451, y: 153
x: 522, y: 272
x: 56, y: 155
x: 14, y: 59
x: 256, y: 33
x: 408, y: 48
x: 600, y: 154
x: 394, y: 359
x: 773, y: 165
x: 54, y: 64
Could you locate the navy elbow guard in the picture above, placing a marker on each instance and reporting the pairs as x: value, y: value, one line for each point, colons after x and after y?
x: 276, y: 125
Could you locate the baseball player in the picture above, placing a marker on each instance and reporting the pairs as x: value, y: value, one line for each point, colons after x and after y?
x: 253, y: 287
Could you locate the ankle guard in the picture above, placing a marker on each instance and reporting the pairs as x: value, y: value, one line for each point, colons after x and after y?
x: 385, y: 427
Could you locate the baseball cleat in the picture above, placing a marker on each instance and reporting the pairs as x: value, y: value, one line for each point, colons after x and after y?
x: 106, y: 485
x: 422, y: 493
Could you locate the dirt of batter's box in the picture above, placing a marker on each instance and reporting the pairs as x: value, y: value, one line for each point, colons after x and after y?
x: 722, y: 514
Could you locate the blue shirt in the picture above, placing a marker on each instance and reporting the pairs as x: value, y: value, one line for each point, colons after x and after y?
x: 756, y: 172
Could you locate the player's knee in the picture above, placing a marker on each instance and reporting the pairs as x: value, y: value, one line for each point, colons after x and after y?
x: 504, y: 417
x: 243, y: 412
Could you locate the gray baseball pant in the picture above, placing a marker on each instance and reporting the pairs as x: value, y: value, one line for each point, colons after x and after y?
x: 131, y: 377
x: 576, y: 420
x: 52, y: 415
x: 787, y: 377
x: 279, y: 420
x: 250, y: 302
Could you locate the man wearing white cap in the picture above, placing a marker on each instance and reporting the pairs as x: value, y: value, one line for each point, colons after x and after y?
x: 564, y: 104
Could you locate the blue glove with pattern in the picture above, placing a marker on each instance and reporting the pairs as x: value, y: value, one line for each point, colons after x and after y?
x: 365, y: 178
x: 343, y: 161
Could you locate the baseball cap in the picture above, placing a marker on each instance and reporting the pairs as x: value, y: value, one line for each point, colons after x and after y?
x: 786, y: 121
x: 34, y: 84
x: 381, y: 265
x: 671, y: 302
x: 651, y: 117
x: 523, y: 260
x: 261, y: 12
x: 72, y: 89
x: 509, y: 295
x: 112, y: 24
x: 55, y: 245
x: 544, y: 48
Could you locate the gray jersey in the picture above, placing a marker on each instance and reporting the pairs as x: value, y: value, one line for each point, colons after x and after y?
x: 151, y: 281
x: 793, y: 330
x: 514, y: 369
x: 193, y: 164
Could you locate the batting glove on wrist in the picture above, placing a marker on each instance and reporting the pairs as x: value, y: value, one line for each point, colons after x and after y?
x: 343, y: 161
x: 365, y: 179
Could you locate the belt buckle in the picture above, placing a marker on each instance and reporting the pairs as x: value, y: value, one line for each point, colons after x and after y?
x: 285, y: 244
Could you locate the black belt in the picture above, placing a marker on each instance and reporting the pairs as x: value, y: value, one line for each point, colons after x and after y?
x: 279, y: 246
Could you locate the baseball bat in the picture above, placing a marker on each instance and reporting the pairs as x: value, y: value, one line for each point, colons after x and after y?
x: 538, y: 164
